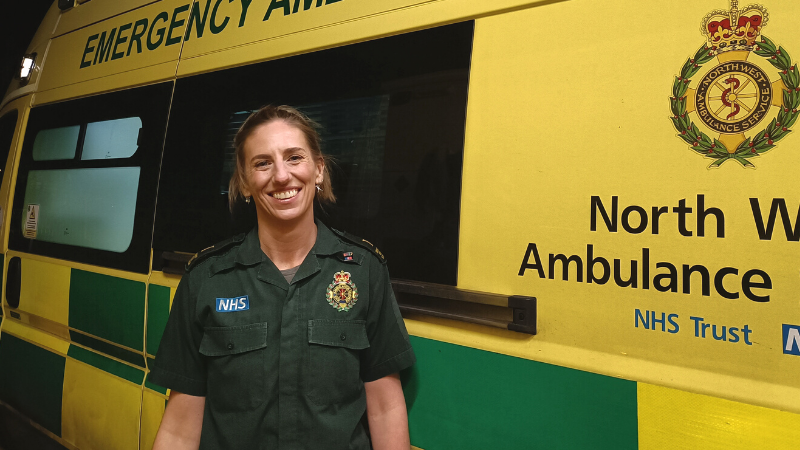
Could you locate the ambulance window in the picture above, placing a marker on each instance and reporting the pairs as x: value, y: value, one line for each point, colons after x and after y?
x: 111, y: 138
x: 91, y: 208
x: 7, y: 125
x: 96, y: 204
x: 392, y: 114
x: 56, y: 143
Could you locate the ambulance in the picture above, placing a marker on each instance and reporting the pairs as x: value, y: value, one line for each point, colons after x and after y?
x: 590, y: 209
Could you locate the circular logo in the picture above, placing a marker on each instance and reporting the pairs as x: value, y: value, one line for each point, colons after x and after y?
x: 736, y: 94
x: 342, y: 294
x: 733, y: 97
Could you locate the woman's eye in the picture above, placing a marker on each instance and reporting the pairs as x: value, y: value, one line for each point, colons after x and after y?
x: 295, y: 158
x: 261, y: 164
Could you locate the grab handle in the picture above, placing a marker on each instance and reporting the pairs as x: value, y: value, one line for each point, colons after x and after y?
x: 14, y: 281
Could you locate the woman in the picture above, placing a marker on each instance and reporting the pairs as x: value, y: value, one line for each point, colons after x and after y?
x: 284, y: 337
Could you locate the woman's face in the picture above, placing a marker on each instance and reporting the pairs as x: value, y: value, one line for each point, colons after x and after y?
x: 281, y: 173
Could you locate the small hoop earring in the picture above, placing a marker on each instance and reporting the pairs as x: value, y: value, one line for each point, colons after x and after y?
x: 247, y: 200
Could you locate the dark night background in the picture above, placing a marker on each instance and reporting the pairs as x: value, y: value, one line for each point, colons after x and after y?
x: 21, y: 18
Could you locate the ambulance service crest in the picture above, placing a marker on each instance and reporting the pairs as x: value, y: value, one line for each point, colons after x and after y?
x: 342, y: 294
x: 740, y: 92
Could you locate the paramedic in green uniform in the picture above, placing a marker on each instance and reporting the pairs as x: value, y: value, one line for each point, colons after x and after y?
x: 284, y: 337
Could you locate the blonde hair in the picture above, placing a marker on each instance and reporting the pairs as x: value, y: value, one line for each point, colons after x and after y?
x: 293, y: 117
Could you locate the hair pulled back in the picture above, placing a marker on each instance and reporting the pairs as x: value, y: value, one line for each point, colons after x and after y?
x: 293, y: 117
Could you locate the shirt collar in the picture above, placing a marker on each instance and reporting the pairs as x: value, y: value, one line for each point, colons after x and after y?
x: 250, y: 252
x: 327, y: 242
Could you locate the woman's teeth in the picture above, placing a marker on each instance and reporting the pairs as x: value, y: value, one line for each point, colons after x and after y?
x: 284, y: 195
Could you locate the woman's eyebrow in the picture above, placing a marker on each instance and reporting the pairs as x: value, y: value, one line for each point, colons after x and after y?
x: 260, y: 156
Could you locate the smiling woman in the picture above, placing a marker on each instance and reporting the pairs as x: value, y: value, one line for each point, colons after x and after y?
x: 252, y: 312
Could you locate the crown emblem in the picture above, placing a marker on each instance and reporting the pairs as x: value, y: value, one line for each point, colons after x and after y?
x: 342, y: 277
x: 734, y: 29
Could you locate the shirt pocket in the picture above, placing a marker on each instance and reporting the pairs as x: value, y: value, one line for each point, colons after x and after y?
x: 235, y: 365
x: 334, y: 360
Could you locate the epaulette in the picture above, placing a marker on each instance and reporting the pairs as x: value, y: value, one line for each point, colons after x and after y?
x: 215, y: 249
x: 363, y: 243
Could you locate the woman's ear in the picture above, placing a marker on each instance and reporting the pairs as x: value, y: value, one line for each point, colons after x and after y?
x: 243, y: 188
x: 320, y: 171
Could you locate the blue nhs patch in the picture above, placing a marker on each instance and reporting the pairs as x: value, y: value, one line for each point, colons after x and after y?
x: 233, y: 304
x: 791, y: 339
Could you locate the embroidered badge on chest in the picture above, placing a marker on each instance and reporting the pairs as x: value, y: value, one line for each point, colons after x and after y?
x: 342, y: 294
x: 233, y: 304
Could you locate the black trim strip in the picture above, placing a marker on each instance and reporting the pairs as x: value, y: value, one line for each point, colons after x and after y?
x: 105, y: 348
x: 515, y: 313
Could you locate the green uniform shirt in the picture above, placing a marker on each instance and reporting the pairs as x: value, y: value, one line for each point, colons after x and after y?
x: 283, y: 366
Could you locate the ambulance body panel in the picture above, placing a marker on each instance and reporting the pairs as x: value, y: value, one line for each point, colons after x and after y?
x: 490, y: 149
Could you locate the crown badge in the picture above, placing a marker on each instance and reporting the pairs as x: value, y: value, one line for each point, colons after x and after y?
x: 731, y: 98
x: 341, y: 277
x: 342, y: 294
x: 734, y: 29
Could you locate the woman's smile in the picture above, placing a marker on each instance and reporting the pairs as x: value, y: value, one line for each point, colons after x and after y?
x: 285, y: 195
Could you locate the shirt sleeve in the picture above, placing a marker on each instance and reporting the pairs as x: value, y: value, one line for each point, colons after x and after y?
x: 389, y: 347
x: 179, y: 365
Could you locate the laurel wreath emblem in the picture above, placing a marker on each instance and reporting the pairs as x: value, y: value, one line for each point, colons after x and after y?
x: 765, y: 139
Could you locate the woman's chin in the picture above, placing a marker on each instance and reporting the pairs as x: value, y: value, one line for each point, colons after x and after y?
x: 287, y: 214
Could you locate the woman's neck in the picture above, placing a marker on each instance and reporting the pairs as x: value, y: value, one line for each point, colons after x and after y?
x: 287, y: 245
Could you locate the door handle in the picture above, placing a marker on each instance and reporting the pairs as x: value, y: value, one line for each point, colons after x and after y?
x: 14, y: 281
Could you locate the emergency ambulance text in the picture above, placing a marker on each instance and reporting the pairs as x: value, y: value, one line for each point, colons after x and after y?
x: 163, y: 29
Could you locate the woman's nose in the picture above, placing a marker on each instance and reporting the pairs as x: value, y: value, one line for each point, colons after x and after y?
x: 281, y: 173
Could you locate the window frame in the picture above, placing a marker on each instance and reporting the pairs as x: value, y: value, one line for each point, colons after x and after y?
x: 151, y: 104
x: 5, y: 151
